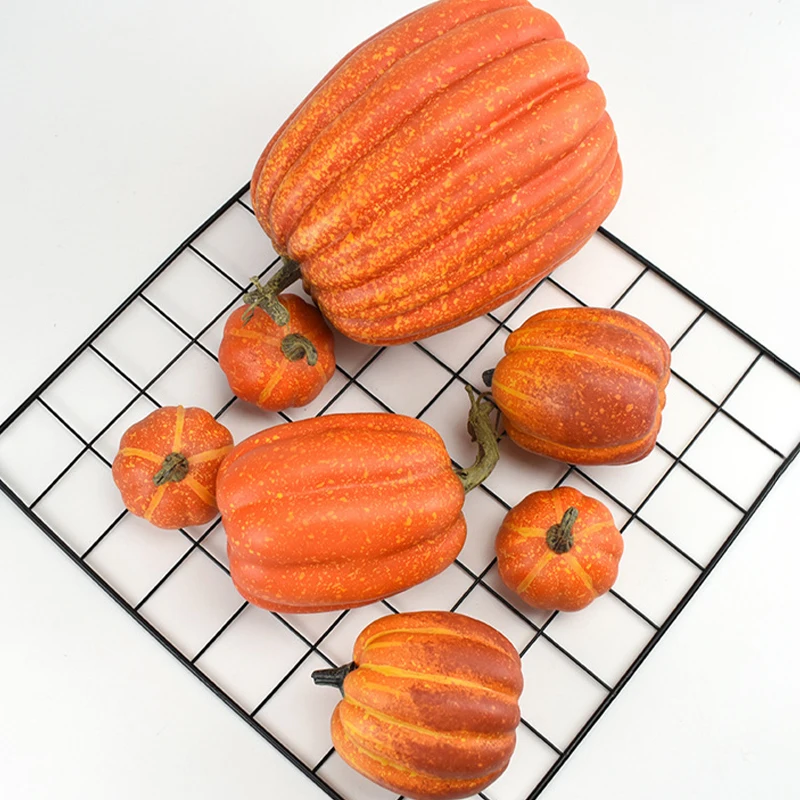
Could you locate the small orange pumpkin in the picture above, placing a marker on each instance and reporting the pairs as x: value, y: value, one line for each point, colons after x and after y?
x: 277, y: 367
x: 341, y: 510
x: 431, y: 704
x: 559, y: 549
x: 583, y: 385
x: 166, y: 467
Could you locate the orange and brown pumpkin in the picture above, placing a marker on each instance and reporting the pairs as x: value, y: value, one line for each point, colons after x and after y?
x: 583, y: 385
x: 166, y: 467
x: 430, y: 704
x: 341, y: 510
x: 559, y: 549
x: 441, y: 168
x: 277, y: 366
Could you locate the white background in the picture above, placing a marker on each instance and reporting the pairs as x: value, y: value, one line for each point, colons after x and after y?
x: 125, y: 125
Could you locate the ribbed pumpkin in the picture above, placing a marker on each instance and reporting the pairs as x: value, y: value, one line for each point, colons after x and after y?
x: 277, y: 367
x: 559, y: 549
x: 342, y: 510
x: 430, y: 704
x: 167, y: 463
x: 441, y: 168
x: 583, y: 385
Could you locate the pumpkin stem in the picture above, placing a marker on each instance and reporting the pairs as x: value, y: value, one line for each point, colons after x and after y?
x: 487, y: 376
x: 294, y: 346
x: 175, y: 467
x: 333, y: 677
x: 266, y: 297
x: 559, y: 537
x: 483, y: 432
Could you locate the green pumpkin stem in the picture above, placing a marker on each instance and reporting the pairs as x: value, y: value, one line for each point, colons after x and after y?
x: 266, y: 296
x: 175, y: 467
x: 484, y: 433
x: 294, y: 346
x: 334, y: 676
x: 559, y: 537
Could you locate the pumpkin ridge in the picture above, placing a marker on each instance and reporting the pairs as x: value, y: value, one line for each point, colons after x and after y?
x: 352, y: 163
x: 180, y: 419
x: 537, y: 569
x: 433, y: 677
x: 412, y: 179
x: 428, y: 631
x: 512, y: 220
x: 579, y: 572
x: 209, y: 455
x: 273, y: 381
x: 147, y: 455
x: 154, y: 501
x: 439, y: 734
x: 264, y: 338
x: 200, y: 491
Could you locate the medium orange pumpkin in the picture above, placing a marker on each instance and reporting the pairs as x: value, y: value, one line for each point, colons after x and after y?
x: 441, y: 168
x: 277, y: 367
x: 559, y: 549
x: 167, y: 464
x: 583, y: 385
x: 430, y: 704
x: 342, y: 510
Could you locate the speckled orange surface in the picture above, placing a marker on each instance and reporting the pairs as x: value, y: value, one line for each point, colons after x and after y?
x: 549, y: 580
x: 339, y: 511
x: 432, y: 709
x: 583, y: 385
x: 443, y: 167
x: 192, y: 432
x: 258, y: 372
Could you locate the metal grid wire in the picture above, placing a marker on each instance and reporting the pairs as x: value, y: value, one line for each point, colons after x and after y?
x: 730, y: 403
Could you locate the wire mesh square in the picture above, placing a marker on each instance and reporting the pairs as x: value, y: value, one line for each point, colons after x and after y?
x: 730, y: 430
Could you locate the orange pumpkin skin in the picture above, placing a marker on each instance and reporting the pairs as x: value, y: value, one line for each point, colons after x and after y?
x: 338, y: 511
x: 257, y: 369
x: 443, y: 167
x: 583, y: 385
x: 432, y: 707
x: 178, y: 502
x: 550, y: 580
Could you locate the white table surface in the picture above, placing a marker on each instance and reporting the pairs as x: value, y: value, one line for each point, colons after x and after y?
x: 125, y: 125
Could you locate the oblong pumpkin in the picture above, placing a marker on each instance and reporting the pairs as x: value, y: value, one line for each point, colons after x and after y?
x: 339, y: 511
x: 431, y: 704
x: 441, y: 168
x: 583, y: 385
x: 559, y: 549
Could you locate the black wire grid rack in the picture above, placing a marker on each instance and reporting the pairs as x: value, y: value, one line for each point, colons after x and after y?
x: 730, y: 430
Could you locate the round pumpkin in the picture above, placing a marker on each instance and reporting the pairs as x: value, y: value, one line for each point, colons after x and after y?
x: 166, y: 467
x: 559, y: 549
x: 339, y: 511
x: 441, y: 168
x: 583, y: 385
x: 431, y: 704
x: 277, y: 367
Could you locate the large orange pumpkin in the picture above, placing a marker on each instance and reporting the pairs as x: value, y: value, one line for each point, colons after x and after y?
x: 441, y: 168
x: 167, y: 464
x: 342, y: 510
x: 430, y: 704
x: 583, y: 385
x: 559, y: 549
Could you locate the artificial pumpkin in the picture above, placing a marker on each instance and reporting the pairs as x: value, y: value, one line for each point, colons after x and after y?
x: 430, y: 704
x: 342, y: 510
x: 167, y: 464
x: 559, y: 549
x: 583, y: 385
x: 441, y: 168
x: 277, y: 367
